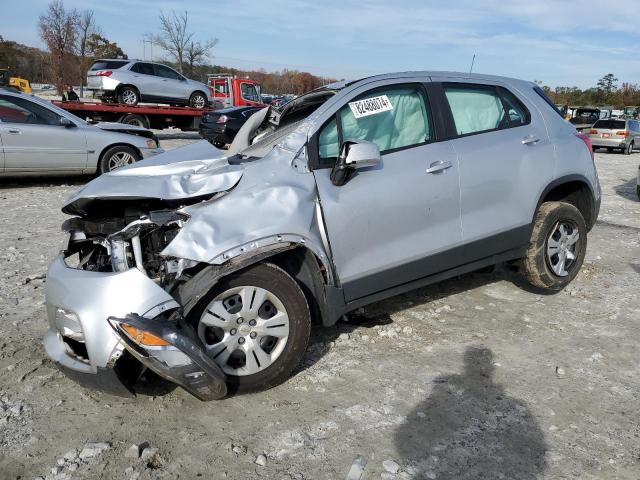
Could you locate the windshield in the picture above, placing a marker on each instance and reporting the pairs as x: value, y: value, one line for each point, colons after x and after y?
x: 266, y: 143
x: 587, y: 113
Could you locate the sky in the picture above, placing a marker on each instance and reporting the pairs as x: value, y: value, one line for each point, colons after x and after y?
x: 559, y: 42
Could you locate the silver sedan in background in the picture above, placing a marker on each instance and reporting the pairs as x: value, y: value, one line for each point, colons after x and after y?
x: 38, y: 138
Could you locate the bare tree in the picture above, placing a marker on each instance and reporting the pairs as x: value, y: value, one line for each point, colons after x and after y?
x: 175, y: 39
x: 196, y: 53
x: 86, y: 27
x: 58, y: 30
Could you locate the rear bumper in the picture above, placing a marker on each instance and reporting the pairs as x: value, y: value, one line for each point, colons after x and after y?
x: 609, y: 142
x: 214, y: 132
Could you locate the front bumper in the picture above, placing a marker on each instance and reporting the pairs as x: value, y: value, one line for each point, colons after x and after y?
x: 93, y: 297
x: 150, y: 152
x: 86, y: 312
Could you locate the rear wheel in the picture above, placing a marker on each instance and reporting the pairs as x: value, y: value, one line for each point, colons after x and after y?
x: 198, y: 100
x: 557, y: 246
x: 117, y: 157
x: 128, y: 95
x: 137, y: 120
x: 629, y: 149
x: 255, y: 325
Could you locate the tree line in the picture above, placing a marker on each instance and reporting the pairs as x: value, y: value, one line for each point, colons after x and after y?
x: 606, y: 92
x: 74, y: 40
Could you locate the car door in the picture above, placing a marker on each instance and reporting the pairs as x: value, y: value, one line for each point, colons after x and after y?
x: 34, y: 140
x: 172, y: 83
x: 145, y: 80
x: 396, y: 222
x: 505, y: 158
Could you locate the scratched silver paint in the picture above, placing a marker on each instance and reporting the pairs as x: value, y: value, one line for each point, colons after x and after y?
x: 274, y: 201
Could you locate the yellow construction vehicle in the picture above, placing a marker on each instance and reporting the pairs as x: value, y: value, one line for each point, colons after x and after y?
x: 15, y: 83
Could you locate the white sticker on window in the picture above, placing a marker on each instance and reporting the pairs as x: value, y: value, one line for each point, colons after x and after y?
x: 370, y: 106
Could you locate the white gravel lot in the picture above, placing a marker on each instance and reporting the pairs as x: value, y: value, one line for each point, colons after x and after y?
x: 477, y: 377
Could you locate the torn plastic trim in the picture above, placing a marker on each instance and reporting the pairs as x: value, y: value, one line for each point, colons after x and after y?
x: 184, y: 362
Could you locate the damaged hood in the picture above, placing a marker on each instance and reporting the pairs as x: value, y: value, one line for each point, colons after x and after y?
x: 184, y: 175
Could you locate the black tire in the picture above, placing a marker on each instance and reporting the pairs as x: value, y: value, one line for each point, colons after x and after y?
x: 286, y: 289
x: 107, y: 159
x: 536, y: 266
x: 628, y: 150
x: 128, y: 95
x: 638, y: 191
x: 137, y: 120
x: 198, y: 100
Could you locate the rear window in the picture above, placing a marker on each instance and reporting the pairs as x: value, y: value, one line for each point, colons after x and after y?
x: 543, y: 95
x: 108, y: 64
x: 610, y: 124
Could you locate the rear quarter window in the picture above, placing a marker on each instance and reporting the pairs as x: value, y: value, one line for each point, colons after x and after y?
x: 108, y: 64
x: 547, y: 100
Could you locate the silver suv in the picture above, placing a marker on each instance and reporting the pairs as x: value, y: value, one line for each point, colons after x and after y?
x: 209, y: 267
x: 133, y: 81
x: 616, y: 134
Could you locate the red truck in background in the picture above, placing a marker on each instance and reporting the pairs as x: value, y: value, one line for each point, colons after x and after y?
x: 226, y: 91
x: 234, y: 92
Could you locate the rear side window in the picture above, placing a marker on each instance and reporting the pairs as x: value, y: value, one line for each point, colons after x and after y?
x: 476, y: 108
x: 143, y: 68
x: 393, y: 118
x: 610, y: 124
x: 108, y: 64
x: 547, y: 100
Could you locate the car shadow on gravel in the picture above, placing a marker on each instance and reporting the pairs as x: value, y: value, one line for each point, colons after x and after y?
x: 627, y: 190
x: 379, y: 313
x: 469, y: 428
x: 30, y: 182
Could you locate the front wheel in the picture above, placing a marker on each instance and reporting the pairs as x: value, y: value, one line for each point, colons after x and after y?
x: 557, y: 246
x: 117, y: 157
x: 255, y: 325
x: 198, y: 100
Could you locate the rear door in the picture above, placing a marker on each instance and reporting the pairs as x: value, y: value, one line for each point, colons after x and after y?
x: 505, y: 156
x: 146, y: 81
x: 399, y: 221
x: 34, y: 140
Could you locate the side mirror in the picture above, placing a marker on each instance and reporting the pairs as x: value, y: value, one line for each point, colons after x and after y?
x: 354, y: 155
x: 66, y: 123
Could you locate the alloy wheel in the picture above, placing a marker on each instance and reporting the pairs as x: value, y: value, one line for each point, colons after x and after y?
x: 120, y: 159
x: 129, y: 97
x: 562, y: 247
x: 244, y: 329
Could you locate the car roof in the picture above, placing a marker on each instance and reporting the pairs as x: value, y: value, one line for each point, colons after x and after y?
x: 429, y: 73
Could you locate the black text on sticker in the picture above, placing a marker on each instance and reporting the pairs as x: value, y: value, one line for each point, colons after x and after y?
x: 370, y: 106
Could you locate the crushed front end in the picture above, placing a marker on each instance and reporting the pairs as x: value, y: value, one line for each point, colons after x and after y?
x: 111, y: 274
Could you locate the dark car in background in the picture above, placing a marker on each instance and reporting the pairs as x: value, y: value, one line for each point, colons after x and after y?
x: 221, y: 126
x: 585, y: 117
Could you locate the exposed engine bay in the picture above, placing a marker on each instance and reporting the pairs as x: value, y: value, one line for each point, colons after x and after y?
x: 134, y: 240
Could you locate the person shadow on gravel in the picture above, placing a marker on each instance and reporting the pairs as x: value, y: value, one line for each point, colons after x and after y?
x: 468, y: 428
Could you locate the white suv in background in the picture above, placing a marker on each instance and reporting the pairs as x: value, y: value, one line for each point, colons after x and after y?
x: 133, y: 81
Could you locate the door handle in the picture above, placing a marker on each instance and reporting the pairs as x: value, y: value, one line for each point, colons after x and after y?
x: 15, y: 131
x: 439, y: 166
x: 530, y: 140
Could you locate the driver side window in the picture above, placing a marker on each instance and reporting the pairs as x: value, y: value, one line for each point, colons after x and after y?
x: 19, y: 110
x: 391, y: 117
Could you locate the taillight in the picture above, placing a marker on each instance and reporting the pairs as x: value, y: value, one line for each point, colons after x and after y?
x: 587, y: 142
x: 622, y: 133
x: 222, y: 119
x: 104, y: 73
x: 593, y: 132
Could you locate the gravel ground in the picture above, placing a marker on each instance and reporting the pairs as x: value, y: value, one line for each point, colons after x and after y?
x: 476, y: 377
